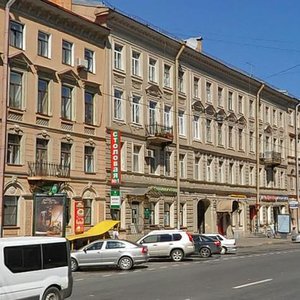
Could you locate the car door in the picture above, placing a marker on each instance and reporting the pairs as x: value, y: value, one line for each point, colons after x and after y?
x: 91, y: 254
x: 112, y: 252
x: 151, y: 241
x: 165, y: 244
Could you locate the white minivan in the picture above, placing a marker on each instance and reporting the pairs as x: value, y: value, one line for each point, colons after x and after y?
x: 35, y: 268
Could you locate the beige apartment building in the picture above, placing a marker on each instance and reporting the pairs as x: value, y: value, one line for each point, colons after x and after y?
x: 55, y: 115
x: 161, y: 91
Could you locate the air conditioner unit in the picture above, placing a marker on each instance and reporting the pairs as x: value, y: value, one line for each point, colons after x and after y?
x: 149, y: 153
x: 82, y: 63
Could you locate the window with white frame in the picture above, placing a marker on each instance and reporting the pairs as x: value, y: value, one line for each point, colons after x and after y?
x: 167, y: 117
x: 241, y: 141
x: 251, y: 141
x: 89, y: 159
x: 153, y: 116
x: 208, y: 92
x: 167, y: 163
x: 67, y: 53
x: 181, y: 123
x: 196, y: 87
x: 65, y: 154
x: 167, y: 214
x: 87, y: 208
x: 267, y: 114
x: 123, y: 156
x: 197, y: 164
x: 16, y: 34
x: 89, y: 57
x: 66, y: 102
x: 118, y: 108
x: 220, y: 96
x: 152, y: 218
x: 280, y: 119
x: 181, y: 81
x: 154, y: 162
x: 167, y: 76
x: 230, y: 136
x: 240, y: 104
x: 43, y: 96
x: 230, y: 100
x: 43, y: 44
x: 220, y: 134
x: 136, y: 158
x: 135, y: 63
x: 274, y: 117
x: 136, y: 109
x: 13, y: 149
x: 182, y: 165
x: 241, y: 174
x: 152, y: 70
x: 208, y: 131
x: 118, y: 57
x: 231, y: 174
x: 251, y: 176
x: 251, y: 108
x: 16, y: 90
x: 10, y: 210
x: 209, y: 170
x: 221, y: 172
x: 89, y: 107
x: 196, y: 127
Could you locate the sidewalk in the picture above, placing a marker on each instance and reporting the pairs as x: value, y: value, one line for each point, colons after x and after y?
x: 252, y: 241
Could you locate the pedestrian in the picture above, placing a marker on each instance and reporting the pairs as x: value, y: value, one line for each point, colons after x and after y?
x: 115, y: 233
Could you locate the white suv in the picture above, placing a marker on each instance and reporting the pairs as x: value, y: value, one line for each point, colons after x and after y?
x: 168, y: 243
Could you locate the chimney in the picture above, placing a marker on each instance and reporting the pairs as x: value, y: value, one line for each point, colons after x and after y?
x: 67, y: 4
x: 199, y: 44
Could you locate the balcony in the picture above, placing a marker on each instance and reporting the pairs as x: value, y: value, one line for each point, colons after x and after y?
x: 45, y: 170
x: 271, y: 158
x: 159, y: 134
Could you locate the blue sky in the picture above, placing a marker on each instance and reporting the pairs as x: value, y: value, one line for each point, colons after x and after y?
x: 260, y: 37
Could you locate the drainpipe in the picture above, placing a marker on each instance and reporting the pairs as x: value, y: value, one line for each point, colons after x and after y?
x: 257, y: 156
x: 4, y: 109
x: 297, y: 163
x: 176, y: 131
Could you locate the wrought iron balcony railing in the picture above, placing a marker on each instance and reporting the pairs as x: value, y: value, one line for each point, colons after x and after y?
x: 158, y: 130
x: 271, y: 158
x: 46, y: 169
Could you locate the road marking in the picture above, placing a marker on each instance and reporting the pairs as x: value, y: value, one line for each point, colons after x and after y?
x: 107, y: 275
x: 252, y: 283
x: 79, y: 279
x: 163, y: 267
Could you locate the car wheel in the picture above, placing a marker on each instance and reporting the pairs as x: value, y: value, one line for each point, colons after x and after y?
x: 177, y: 255
x: 52, y: 293
x: 125, y: 263
x: 74, y: 265
x: 205, y: 252
x: 223, y: 250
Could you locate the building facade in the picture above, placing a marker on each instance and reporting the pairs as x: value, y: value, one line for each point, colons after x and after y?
x: 55, y: 113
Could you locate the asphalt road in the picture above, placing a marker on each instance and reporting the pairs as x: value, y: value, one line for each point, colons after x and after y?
x: 266, y: 272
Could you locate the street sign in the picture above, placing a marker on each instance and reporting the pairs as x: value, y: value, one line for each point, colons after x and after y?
x: 293, y: 204
x: 115, y: 199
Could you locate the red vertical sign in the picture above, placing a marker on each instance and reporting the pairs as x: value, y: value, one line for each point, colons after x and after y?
x: 79, y: 217
x: 115, y: 157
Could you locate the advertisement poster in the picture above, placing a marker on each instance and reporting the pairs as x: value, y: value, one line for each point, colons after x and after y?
x: 284, y: 222
x: 79, y: 217
x: 115, y: 157
x: 49, y: 215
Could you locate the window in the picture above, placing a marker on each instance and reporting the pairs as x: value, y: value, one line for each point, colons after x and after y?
x: 241, y: 147
x: 209, y: 170
x: 43, y: 44
x: 196, y: 127
x: 136, y: 167
x: 66, y: 102
x: 88, y: 159
x: 241, y: 174
x: 167, y: 76
x: 55, y: 255
x: 43, y: 97
x: 181, y: 81
x: 118, y: 51
x: 251, y: 108
x: 65, y: 154
x: 89, y: 57
x: 220, y: 96
x: 41, y: 151
x: 15, y: 90
x: 114, y: 245
x: 16, y: 34
x: 152, y: 70
x: 231, y: 173
x: 181, y: 123
x: 208, y: 92
x: 167, y: 118
x: 153, y: 163
x: 167, y: 163
x: 240, y: 104
x: 67, y: 55
x: 123, y: 156
x: 10, y: 213
x: 182, y: 165
x: 89, y: 107
x: 196, y: 87
x: 281, y: 119
x: 208, y: 131
x: 135, y: 61
x: 87, y: 206
x: 166, y: 214
x: 230, y: 100
x: 118, y: 109
x: 152, y: 213
x: 230, y: 136
x: 197, y: 168
x: 13, y: 149
x: 220, y: 134
x: 136, y: 109
x: 268, y: 114
x: 251, y: 141
x: 95, y: 246
x: 251, y: 176
x: 152, y: 111
x: 221, y: 172
x: 274, y: 117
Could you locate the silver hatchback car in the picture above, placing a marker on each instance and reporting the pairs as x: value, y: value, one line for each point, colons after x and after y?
x: 121, y: 253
